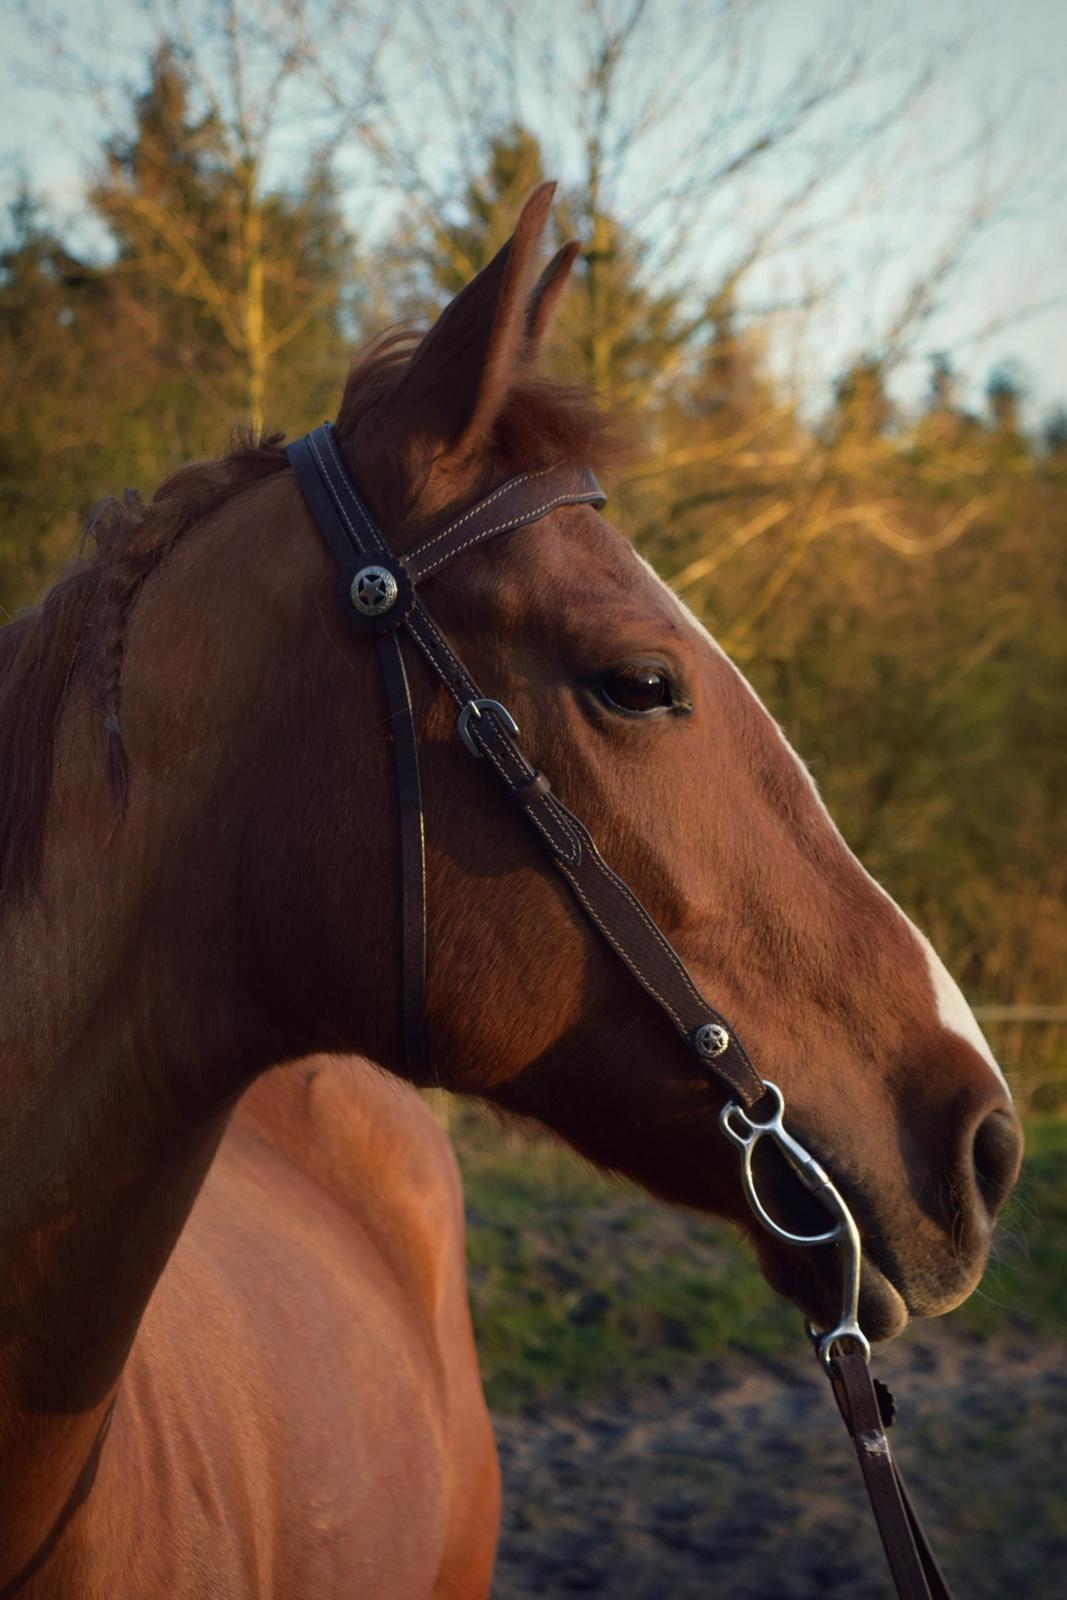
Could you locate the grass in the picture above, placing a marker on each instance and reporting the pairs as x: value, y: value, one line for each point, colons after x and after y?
x: 580, y: 1285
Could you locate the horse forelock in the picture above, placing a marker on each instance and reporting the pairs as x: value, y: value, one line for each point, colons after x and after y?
x: 542, y: 422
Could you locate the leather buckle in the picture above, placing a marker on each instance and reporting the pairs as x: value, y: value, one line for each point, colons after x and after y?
x: 474, y: 708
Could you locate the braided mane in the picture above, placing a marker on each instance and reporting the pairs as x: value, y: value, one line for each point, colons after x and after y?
x: 78, y: 633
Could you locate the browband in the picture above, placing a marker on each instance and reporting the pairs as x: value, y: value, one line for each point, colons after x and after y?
x: 378, y: 593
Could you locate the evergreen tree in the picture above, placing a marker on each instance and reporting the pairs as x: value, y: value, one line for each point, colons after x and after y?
x: 1007, y: 441
x: 432, y: 257
x: 223, y: 298
x: 862, y: 406
x: 240, y: 283
x: 1054, y: 437
x: 613, y: 331
x: 72, y: 382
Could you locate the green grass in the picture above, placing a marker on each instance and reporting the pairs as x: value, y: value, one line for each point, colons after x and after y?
x: 580, y: 1284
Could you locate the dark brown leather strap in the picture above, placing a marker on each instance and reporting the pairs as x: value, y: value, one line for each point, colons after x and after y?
x: 352, y: 536
x: 520, y: 501
x: 412, y: 858
x: 912, y: 1562
x: 607, y: 901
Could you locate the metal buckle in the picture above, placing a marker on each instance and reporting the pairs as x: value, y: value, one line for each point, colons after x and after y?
x: 746, y: 1133
x: 474, y: 708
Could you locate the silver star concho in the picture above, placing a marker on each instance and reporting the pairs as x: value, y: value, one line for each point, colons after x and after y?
x: 374, y: 589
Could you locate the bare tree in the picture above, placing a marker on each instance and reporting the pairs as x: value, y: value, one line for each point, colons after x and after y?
x: 263, y: 78
x: 675, y: 122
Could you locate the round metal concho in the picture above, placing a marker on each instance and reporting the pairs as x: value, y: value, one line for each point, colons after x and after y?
x: 374, y: 591
x: 711, y: 1040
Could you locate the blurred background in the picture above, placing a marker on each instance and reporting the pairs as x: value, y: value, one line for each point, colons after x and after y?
x: 823, y: 280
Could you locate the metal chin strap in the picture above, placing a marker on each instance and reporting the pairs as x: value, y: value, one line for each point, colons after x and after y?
x: 866, y: 1405
x: 745, y: 1131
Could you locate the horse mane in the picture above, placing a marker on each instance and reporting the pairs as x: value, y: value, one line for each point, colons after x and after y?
x: 78, y: 631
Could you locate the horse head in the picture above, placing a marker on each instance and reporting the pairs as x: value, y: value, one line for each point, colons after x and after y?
x: 651, y: 735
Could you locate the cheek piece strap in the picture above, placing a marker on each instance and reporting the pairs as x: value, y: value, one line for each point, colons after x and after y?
x: 380, y: 595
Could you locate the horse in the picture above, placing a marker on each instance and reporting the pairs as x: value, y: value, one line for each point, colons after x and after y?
x: 235, y: 1358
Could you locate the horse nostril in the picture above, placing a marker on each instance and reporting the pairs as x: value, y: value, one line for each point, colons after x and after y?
x: 997, y: 1151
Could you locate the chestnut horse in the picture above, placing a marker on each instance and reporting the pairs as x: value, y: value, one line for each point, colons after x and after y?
x: 235, y: 1357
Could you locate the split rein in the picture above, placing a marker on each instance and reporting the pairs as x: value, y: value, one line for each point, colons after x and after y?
x: 379, y: 596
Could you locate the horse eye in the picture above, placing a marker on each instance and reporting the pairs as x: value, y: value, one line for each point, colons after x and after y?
x: 637, y: 690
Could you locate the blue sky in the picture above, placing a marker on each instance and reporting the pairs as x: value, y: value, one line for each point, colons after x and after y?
x: 1009, y: 63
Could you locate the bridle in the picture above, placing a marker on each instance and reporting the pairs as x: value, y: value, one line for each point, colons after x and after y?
x: 379, y: 596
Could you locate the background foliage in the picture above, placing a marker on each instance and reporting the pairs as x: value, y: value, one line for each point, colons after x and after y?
x: 893, y: 583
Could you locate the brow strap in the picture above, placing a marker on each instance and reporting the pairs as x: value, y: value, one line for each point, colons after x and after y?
x: 515, y: 504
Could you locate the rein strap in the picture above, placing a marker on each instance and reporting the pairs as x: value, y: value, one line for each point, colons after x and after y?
x: 868, y: 1409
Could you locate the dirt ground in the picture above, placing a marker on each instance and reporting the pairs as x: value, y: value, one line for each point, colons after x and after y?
x: 741, y: 1482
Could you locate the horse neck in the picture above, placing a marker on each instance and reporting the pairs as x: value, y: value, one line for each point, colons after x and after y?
x: 111, y: 1021
x: 232, y: 918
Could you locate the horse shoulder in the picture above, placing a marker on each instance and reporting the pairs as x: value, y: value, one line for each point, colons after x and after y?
x: 301, y: 1412
x: 374, y: 1144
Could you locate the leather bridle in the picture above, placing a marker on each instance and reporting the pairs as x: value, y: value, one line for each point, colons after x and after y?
x: 379, y: 596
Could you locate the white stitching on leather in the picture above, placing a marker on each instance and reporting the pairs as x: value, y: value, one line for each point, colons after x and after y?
x: 570, y: 850
x: 561, y: 853
x: 414, y: 623
x: 488, y: 533
x: 512, y: 483
x: 598, y: 861
x: 652, y: 928
x: 375, y: 536
x: 570, y: 853
x: 617, y: 947
x: 461, y: 672
x: 559, y: 817
x: 564, y: 842
x: 628, y: 961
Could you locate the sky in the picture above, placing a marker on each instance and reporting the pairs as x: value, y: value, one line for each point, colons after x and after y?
x: 1005, y: 62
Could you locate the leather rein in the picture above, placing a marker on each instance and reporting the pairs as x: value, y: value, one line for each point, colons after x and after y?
x: 379, y: 596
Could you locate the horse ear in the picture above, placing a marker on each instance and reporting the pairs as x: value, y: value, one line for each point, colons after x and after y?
x: 459, y: 376
x: 545, y: 298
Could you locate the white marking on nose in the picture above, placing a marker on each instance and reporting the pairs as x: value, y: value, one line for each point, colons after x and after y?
x: 952, y: 1009
x: 953, y: 1012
